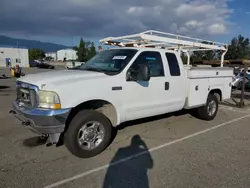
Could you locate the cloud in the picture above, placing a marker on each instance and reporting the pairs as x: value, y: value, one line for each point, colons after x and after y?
x: 101, y: 18
x: 216, y: 29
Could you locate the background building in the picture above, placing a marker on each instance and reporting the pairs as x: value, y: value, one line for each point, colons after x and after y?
x: 66, y: 55
x: 51, y: 55
x: 10, y: 56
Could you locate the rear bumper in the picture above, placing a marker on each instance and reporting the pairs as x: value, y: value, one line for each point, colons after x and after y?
x: 41, y: 121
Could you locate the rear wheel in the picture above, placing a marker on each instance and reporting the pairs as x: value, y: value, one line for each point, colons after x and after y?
x: 209, y: 111
x: 89, y: 133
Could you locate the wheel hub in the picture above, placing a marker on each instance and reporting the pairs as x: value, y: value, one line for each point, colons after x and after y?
x: 211, y: 108
x: 90, y: 134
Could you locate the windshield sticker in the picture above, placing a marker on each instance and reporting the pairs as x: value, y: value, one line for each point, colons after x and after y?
x: 120, y: 57
x: 151, y: 58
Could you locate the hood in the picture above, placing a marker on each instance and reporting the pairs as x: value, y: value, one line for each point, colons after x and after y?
x: 60, y: 77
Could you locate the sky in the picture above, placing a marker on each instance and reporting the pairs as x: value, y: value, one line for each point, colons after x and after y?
x: 65, y: 21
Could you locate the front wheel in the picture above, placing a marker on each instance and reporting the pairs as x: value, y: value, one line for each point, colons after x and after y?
x: 89, y: 133
x: 209, y: 111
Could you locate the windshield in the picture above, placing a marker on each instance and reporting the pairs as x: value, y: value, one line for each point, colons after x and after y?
x: 109, y: 61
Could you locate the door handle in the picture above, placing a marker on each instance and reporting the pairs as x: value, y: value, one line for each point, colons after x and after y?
x: 166, y: 85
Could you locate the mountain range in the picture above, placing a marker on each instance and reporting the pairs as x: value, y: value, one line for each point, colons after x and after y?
x: 46, y: 46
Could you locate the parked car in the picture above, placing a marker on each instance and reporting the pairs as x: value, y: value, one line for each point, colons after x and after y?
x: 83, y: 107
x: 237, y: 82
x: 76, y: 67
x: 45, y: 66
x: 33, y: 63
x: 73, y: 64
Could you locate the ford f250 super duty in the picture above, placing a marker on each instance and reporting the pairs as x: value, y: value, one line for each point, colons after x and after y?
x: 82, y: 107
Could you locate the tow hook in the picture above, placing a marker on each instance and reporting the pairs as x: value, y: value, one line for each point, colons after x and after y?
x: 26, y: 123
x: 44, y: 138
x: 53, y: 139
x: 12, y: 112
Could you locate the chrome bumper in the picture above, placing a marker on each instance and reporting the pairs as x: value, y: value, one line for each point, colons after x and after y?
x: 41, y: 121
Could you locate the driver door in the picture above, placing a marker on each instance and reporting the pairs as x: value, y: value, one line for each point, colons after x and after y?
x: 146, y: 98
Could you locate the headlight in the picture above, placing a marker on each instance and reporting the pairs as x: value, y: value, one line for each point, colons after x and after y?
x: 49, y: 99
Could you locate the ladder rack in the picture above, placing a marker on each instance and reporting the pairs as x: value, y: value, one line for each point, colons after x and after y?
x: 168, y: 41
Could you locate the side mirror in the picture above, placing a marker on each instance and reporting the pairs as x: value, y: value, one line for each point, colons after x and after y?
x: 143, y: 73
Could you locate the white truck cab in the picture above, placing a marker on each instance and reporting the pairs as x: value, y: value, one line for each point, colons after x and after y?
x: 82, y: 107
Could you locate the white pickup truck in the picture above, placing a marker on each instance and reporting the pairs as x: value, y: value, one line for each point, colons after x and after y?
x: 82, y: 107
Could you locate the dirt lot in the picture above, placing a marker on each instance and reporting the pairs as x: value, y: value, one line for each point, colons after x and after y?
x: 174, y: 150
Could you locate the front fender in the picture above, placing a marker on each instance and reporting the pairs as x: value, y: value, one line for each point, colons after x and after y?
x: 117, y: 105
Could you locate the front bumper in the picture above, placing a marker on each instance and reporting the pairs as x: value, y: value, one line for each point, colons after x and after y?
x: 41, y: 121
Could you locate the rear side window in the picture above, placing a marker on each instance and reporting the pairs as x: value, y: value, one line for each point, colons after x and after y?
x: 173, y: 64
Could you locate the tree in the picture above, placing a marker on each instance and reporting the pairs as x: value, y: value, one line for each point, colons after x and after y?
x: 82, y: 51
x: 91, y: 51
x: 75, y: 48
x: 85, y: 50
x: 184, y: 58
x: 239, y: 48
x: 36, y: 54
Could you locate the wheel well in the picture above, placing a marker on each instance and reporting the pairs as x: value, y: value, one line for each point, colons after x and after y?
x: 99, y: 105
x: 217, y: 93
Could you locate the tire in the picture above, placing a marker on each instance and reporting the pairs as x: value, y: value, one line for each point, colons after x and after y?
x: 71, y: 138
x: 204, y: 111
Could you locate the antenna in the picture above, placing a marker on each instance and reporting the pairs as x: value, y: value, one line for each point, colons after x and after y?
x: 72, y: 47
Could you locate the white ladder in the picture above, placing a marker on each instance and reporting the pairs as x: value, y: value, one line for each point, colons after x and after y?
x: 168, y: 41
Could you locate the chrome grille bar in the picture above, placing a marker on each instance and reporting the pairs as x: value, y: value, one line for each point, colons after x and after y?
x: 27, y: 94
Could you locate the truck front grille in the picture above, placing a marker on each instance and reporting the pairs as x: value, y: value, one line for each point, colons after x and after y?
x: 27, y: 96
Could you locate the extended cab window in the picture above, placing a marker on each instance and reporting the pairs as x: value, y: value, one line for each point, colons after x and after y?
x: 173, y: 64
x: 154, y: 61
